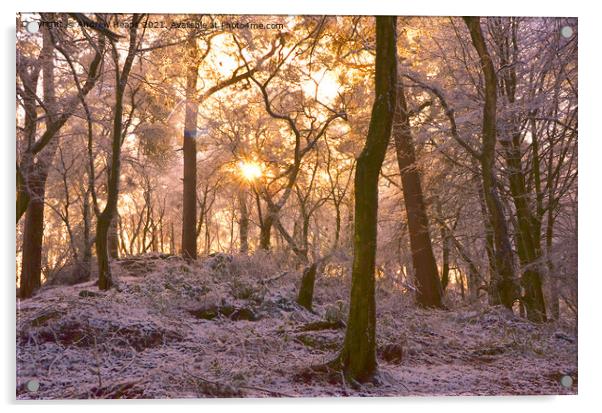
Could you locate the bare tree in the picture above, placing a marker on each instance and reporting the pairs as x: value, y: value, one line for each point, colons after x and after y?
x: 358, y: 356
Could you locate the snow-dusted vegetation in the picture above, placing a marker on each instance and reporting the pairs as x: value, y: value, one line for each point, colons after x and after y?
x: 288, y: 206
x: 178, y: 330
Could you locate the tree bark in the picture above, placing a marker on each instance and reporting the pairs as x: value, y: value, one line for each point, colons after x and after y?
x: 553, y: 278
x: 503, y: 289
x: 306, y: 291
x: 114, y: 237
x: 358, y: 356
x: 243, y: 224
x: 33, y: 229
x: 105, y: 280
x: 428, y: 291
x: 528, y: 227
x: 265, y: 232
x: 189, y: 238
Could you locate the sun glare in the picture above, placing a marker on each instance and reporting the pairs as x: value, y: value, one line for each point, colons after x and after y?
x: 250, y: 170
x: 327, y: 86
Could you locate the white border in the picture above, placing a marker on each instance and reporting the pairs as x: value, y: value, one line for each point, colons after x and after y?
x: 590, y: 231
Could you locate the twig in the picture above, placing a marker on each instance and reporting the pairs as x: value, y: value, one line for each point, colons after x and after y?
x: 217, y: 383
x: 269, y: 280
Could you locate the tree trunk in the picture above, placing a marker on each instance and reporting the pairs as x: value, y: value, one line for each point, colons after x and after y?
x: 428, y: 291
x: 553, y: 278
x: 445, y: 253
x: 105, y: 279
x: 528, y: 250
x: 33, y: 229
x: 337, y: 227
x: 22, y: 193
x: 528, y: 228
x: 306, y: 291
x: 265, y: 232
x: 358, y: 356
x: 189, y: 238
x: 503, y: 289
x: 87, y: 247
x: 172, y: 240
x: 460, y: 281
x: 243, y: 224
x: 114, y: 238
x: 489, y: 243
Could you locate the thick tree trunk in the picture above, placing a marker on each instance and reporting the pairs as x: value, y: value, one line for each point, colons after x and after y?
x: 489, y: 243
x: 306, y: 291
x: 445, y: 258
x: 189, y: 238
x: 114, y: 238
x: 22, y: 194
x: 33, y: 229
x: 503, y: 289
x: 358, y: 356
x: 105, y: 280
x: 265, y: 232
x: 428, y: 291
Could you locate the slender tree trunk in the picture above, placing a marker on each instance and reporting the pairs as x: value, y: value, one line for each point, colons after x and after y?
x: 172, y: 240
x: 473, y: 272
x: 428, y: 291
x: 337, y: 228
x: 161, y: 237
x: 553, y: 279
x: 503, y: 289
x: 189, y: 239
x: 528, y: 250
x: 103, y: 224
x: 460, y: 281
x: 243, y: 224
x: 528, y: 228
x: 105, y: 279
x: 358, y: 356
x: 87, y: 247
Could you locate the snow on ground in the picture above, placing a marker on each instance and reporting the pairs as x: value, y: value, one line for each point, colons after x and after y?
x: 146, y: 339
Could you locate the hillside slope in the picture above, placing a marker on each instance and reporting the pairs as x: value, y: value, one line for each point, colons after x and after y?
x: 230, y: 327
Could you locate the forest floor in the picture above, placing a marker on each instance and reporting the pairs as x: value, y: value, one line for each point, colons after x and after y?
x: 230, y: 327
